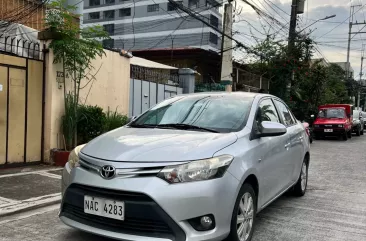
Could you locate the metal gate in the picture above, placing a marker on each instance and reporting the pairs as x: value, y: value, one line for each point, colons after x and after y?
x: 21, y: 97
x: 146, y: 94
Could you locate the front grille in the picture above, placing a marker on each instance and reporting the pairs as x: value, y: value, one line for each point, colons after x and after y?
x: 143, y: 216
x: 129, y: 225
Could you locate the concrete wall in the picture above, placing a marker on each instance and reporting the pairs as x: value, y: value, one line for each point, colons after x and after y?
x: 109, y: 89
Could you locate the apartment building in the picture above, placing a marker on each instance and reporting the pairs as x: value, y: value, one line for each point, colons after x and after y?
x: 155, y: 24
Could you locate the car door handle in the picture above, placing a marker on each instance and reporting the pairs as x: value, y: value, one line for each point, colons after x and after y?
x: 287, y: 145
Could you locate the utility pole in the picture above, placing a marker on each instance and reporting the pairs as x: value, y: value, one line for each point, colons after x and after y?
x: 352, y: 11
x: 226, y: 56
x: 292, y: 31
x: 360, y: 82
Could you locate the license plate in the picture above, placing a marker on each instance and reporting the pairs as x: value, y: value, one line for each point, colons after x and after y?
x: 104, y: 207
x: 328, y: 130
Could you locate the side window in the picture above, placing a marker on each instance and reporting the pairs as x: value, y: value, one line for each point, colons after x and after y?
x: 267, y: 112
x: 285, y: 113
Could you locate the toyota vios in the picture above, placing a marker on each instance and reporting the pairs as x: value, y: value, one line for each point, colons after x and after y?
x: 193, y: 168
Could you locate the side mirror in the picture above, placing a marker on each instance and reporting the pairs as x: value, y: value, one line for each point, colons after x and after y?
x: 269, y: 128
x: 132, y: 118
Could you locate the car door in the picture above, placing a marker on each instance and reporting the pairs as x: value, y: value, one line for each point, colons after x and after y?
x: 273, y: 153
x: 296, y: 138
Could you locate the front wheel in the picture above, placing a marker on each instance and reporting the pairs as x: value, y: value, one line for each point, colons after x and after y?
x: 243, y: 217
x: 300, y: 187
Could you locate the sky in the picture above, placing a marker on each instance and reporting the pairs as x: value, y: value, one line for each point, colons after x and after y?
x: 330, y: 35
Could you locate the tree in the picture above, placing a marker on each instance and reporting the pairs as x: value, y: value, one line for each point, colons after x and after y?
x: 75, y: 48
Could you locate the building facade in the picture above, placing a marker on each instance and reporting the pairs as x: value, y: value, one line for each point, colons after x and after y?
x: 155, y: 24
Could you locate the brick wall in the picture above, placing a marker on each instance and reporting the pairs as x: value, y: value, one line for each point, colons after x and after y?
x: 32, y: 10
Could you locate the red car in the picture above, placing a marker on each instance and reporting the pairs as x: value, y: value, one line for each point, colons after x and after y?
x: 334, y: 120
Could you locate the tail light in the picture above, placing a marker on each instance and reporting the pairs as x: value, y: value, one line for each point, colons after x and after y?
x: 307, y: 131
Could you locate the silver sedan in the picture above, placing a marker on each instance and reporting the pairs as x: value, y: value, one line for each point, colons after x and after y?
x: 193, y: 168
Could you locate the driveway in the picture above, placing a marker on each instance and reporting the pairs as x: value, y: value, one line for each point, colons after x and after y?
x: 334, y: 208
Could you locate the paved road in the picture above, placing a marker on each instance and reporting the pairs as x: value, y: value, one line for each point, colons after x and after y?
x: 334, y: 207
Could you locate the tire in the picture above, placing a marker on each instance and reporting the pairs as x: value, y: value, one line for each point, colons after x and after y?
x: 349, y: 134
x: 245, y: 193
x: 299, y: 189
x: 358, y: 132
x: 345, y: 136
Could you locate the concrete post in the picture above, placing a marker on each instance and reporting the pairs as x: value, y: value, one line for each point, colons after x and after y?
x: 186, y: 80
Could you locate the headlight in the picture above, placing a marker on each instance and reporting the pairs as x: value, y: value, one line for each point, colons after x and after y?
x: 197, y: 170
x: 74, y: 157
x: 316, y: 125
x: 341, y: 126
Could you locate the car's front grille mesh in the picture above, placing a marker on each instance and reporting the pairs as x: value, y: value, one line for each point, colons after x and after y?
x: 132, y: 225
x: 143, y: 216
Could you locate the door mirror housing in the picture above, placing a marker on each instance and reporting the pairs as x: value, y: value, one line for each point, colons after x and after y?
x: 269, y: 128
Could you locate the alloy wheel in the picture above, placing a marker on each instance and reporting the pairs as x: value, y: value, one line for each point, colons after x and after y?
x: 304, y: 176
x: 245, y: 217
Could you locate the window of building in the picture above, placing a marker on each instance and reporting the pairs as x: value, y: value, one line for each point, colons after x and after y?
x: 287, y: 117
x: 214, y: 21
x: 153, y: 8
x: 109, y: 28
x: 172, y: 7
x: 124, y: 12
x: 94, y: 2
x: 213, y: 38
x: 193, y: 3
x: 109, y: 1
x: 95, y: 15
x: 108, y: 43
x: 109, y: 14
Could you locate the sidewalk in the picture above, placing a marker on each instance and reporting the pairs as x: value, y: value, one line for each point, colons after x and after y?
x: 26, y: 188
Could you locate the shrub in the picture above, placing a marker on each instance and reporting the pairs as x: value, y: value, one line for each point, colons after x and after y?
x: 114, y: 120
x: 91, y: 120
x: 68, y: 122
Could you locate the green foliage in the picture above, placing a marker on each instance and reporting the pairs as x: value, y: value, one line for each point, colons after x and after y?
x: 75, y: 48
x: 68, y: 122
x: 114, y: 120
x: 315, y: 83
x: 91, y: 120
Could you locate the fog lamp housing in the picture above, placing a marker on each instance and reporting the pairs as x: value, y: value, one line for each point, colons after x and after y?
x: 203, y: 223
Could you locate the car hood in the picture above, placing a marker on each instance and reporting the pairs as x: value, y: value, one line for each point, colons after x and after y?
x: 329, y: 121
x: 157, y: 145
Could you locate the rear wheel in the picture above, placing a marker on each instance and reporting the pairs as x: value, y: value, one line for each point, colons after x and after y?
x: 243, y: 217
x: 300, y: 187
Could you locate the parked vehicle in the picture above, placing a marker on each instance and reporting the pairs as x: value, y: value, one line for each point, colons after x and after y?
x: 334, y: 120
x: 364, y: 119
x: 194, y: 167
x: 358, y: 123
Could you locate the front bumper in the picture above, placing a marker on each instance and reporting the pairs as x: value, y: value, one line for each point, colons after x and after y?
x: 155, y: 211
x: 335, y: 132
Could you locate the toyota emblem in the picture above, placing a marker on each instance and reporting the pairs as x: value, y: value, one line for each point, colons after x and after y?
x: 108, y: 172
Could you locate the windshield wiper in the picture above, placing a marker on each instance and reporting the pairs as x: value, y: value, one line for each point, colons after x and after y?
x: 185, y: 127
x: 142, y: 126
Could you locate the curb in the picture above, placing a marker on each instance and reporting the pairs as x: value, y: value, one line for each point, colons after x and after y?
x: 26, y: 207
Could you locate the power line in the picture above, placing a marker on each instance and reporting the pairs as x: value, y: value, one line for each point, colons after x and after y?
x: 343, y: 21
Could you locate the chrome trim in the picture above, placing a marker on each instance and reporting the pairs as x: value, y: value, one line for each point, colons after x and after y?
x: 122, y: 172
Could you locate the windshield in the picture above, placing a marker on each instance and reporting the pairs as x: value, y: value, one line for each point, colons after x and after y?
x: 332, y: 113
x: 218, y: 113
